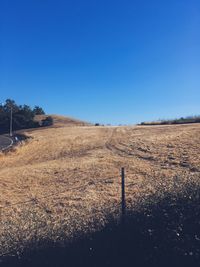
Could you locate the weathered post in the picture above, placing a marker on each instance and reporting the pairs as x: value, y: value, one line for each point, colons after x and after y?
x: 123, y: 199
x: 11, y: 121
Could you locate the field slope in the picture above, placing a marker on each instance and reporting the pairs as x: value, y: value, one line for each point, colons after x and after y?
x: 66, y: 180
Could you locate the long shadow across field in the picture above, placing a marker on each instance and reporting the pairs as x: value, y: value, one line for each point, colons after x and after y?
x: 163, y: 234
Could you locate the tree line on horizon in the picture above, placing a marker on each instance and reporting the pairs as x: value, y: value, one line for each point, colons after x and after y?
x: 182, y: 120
x: 22, y: 116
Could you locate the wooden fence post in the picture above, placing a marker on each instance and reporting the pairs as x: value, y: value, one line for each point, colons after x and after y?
x: 123, y: 199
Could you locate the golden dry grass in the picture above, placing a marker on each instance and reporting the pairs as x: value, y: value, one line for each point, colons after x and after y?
x: 60, y: 121
x: 65, y: 180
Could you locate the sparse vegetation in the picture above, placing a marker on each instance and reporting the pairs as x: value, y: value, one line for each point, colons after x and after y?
x: 189, y: 119
x: 48, y: 121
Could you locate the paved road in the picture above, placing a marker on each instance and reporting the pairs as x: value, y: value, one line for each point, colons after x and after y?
x: 5, y: 142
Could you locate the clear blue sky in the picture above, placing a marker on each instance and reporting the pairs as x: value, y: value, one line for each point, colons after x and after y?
x: 106, y: 61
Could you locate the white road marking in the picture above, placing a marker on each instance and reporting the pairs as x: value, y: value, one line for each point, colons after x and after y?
x: 11, y: 143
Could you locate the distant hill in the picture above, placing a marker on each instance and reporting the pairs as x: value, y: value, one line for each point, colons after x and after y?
x: 61, y: 121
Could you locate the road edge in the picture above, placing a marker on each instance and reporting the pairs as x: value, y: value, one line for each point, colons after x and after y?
x: 11, y: 143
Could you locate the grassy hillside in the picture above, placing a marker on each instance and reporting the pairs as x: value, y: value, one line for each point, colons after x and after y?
x: 64, y: 182
x: 60, y: 121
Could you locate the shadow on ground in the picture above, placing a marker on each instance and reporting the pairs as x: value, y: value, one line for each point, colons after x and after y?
x: 163, y: 234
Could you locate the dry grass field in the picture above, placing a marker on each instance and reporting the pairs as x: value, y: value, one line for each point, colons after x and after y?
x: 65, y: 180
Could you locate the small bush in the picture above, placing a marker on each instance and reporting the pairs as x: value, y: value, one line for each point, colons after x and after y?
x: 47, y: 122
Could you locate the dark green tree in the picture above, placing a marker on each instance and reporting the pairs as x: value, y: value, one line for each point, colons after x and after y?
x: 38, y: 111
x: 22, y: 116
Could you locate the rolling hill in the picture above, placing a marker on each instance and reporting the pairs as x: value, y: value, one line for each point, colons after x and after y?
x: 62, y: 121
